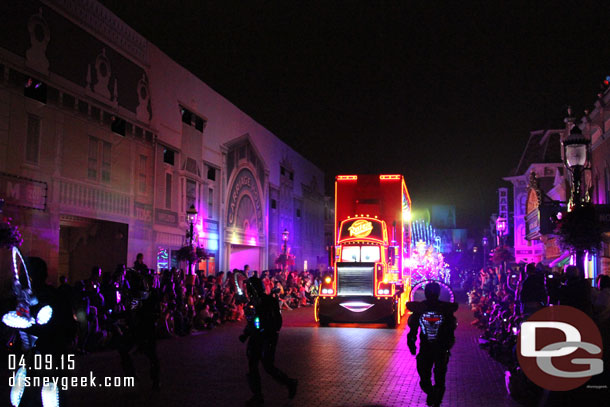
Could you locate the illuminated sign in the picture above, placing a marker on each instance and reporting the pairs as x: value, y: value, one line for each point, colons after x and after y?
x: 360, y: 228
x: 162, y: 259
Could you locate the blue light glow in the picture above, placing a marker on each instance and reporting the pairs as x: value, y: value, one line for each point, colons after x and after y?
x: 50, y: 395
x: 19, y: 387
x: 44, y: 315
x: 17, y: 321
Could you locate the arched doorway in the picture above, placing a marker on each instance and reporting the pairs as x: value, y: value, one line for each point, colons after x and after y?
x: 245, y: 231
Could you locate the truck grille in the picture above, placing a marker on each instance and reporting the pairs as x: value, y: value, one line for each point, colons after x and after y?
x: 355, y: 280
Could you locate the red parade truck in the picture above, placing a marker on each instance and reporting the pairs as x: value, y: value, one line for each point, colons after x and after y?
x: 368, y: 281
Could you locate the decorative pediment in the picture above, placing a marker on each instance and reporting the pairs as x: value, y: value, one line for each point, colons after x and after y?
x: 245, y: 205
x: 40, y: 35
x: 242, y: 151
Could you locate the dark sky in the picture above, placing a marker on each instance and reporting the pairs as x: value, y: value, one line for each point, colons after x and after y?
x: 445, y: 94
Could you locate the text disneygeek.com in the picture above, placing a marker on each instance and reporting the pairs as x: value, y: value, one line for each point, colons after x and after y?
x: 64, y: 383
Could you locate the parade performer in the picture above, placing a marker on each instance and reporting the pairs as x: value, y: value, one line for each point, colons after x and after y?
x: 264, y: 322
x: 436, y: 323
x: 32, y: 318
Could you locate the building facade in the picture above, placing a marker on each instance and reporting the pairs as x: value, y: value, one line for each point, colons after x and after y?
x: 542, y: 156
x: 105, y: 142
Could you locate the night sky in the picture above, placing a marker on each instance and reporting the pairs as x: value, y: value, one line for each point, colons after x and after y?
x: 445, y: 94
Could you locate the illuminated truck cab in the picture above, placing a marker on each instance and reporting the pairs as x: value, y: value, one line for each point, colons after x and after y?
x: 366, y: 282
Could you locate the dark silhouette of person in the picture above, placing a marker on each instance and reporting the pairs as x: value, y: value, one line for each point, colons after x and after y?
x: 532, y: 293
x: 142, y: 311
x: 263, y: 328
x: 436, y: 323
x: 139, y: 264
x: 576, y: 292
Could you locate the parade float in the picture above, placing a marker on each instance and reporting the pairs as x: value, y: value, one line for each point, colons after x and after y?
x: 367, y: 281
x: 427, y: 262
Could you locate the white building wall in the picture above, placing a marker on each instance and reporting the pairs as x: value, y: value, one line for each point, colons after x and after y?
x: 134, y: 64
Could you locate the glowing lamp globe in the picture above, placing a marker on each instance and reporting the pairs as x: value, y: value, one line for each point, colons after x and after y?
x: 575, y: 148
x: 191, y: 214
x: 501, y: 226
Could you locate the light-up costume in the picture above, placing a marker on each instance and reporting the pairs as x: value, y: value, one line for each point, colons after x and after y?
x: 436, y: 323
x: 23, y: 319
x: 262, y: 329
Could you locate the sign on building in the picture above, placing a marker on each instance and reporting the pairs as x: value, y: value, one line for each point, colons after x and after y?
x: 23, y: 192
x: 503, y: 203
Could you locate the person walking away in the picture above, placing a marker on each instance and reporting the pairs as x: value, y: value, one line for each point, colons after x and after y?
x: 436, y: 323
x: 262, y: 329
x: 532, y: 293
x: 143, y: 308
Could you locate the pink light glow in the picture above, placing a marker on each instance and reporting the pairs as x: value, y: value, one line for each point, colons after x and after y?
x: 199, y: 228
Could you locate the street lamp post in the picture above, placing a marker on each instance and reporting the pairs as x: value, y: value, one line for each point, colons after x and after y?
x: 191, y: 216
x: 501, y: 228
x: 484, y: 253
x: 576, y: 153
x: 576, y: 158
x: 285, y: 234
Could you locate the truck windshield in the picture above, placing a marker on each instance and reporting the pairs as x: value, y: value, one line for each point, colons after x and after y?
x: 369, y: 254
x: 350, y: 253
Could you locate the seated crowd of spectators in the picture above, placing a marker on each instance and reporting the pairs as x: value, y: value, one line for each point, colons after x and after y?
x: 530, y: 288
x: 186, y: 303
x: 501, y: 304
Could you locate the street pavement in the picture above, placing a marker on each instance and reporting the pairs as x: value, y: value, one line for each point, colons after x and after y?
x: 347, y: 365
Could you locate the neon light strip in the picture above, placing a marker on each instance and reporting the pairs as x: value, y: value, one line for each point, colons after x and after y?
x: 335, y: 231
x: 356, y: 306
x: 363, y: 240
x: 388, y: 177
x: 17, y: 253
x: 346, y: 178
x: 424, y: 282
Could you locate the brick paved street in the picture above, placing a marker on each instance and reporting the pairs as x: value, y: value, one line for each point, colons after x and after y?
x: 336, y: 366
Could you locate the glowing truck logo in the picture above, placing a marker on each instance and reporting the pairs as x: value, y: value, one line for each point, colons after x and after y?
x: 360, y: 228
